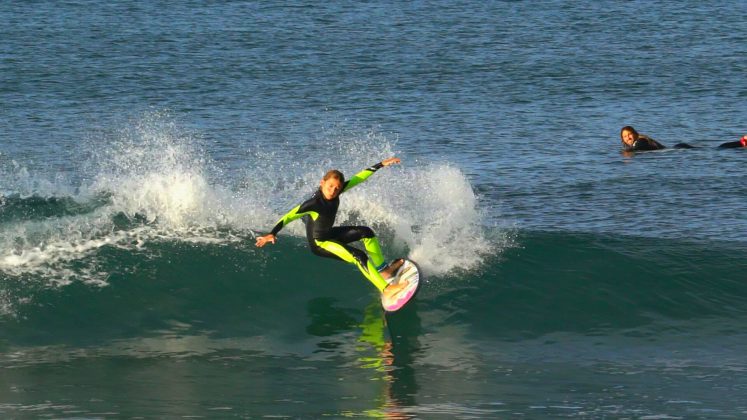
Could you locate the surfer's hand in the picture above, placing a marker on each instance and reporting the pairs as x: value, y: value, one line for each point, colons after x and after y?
x: 263, y: 240
x: 390, y: 161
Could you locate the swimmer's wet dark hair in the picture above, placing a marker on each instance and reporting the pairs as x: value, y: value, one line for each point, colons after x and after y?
x: 334, y: 173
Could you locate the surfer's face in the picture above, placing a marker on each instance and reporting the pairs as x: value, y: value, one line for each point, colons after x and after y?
x: 330, y: 188
x: 628, y: 137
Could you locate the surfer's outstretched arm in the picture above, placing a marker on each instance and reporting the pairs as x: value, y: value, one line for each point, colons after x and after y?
x: 364, y: 174
x: 295, y: 214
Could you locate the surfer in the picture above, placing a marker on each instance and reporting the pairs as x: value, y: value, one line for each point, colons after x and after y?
x: 318, y: 213
x: 632, y: 141
x: 734, y: 144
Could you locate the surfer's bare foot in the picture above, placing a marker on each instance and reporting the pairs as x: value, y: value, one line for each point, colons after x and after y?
x: 394, y: 288
x: 392, y: 268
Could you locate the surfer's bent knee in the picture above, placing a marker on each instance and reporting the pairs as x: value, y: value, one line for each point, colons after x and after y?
x: 336, y: 250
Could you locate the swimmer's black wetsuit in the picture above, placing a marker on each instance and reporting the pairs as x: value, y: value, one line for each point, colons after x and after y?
x: 645, y: 143
x: 642, y: 144
x: 318, y: 214
x: 732, y: 145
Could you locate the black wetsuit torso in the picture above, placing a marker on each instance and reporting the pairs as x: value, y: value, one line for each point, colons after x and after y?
x: 325, y: 212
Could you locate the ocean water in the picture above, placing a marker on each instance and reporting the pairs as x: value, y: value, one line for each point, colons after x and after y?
x: 144, y: 145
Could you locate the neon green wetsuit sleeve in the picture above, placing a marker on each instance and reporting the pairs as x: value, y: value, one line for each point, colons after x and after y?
x: 361, y: 176
x: 295, y: 214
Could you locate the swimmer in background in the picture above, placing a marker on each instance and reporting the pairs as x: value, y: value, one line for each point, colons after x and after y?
x: 734, y: 144
x: 634, y: 142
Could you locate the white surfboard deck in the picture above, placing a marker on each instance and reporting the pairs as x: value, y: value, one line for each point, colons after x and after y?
x: 407, y: 272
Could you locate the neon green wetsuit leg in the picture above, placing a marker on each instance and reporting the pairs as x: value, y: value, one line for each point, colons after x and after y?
x: 373, y: 249
x: 345, y: 254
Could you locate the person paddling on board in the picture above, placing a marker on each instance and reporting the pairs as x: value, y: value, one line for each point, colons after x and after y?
x: 325, y: 240
x: 633, y: 142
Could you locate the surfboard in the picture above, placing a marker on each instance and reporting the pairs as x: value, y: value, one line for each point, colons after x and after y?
x: 407, y: 272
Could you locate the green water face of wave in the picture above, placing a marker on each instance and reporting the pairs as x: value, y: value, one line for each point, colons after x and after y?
x: 549, y: 283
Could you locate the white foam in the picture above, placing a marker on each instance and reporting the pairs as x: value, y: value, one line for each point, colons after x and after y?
x: 6, y: 304
x: 149, y: 171
x: 432, y: 210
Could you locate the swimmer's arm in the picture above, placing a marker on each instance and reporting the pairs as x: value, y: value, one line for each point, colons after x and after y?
x: 657, y: 144
x: 644, y: 144
x: 364, y: 174
x: 649, y: 143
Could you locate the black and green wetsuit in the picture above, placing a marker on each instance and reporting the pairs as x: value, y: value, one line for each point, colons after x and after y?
x: 327, y: 241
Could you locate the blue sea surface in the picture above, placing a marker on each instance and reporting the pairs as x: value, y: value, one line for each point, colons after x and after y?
x: 144, y: 144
